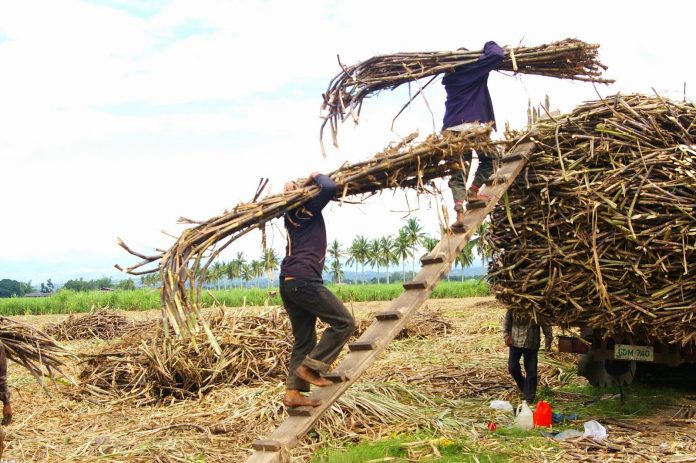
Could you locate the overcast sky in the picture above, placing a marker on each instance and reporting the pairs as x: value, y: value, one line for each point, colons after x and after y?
x: 118, y: 116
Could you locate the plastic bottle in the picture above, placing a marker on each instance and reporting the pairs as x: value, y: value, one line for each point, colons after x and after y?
x: 542, y: 414
x: 524, y: 419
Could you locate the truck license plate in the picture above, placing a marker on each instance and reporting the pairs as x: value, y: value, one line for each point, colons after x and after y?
x: 629, y: 352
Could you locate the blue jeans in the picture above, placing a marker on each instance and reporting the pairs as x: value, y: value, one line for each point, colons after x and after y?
x: 306, y: 300
x: 528, y: 384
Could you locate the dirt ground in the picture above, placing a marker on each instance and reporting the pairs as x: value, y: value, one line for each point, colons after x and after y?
x: 464, y: 366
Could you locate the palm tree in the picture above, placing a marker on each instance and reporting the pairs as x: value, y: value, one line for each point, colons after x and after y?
x: 232, y: 271
x: 415, y: 234
x: 386, y: 253
x: 335, y: 252
x: 257, y: 269
x: 216, y: 272
x: 403, y: 249
x: 358, y: 252
x: 429, y: 243
x: 270, y: 261
x: 465, y: 258
x: 373, y: 255
x: 239, y: 262
x: 336, y: 271
x: 483, y: 248
x: 246, y: 272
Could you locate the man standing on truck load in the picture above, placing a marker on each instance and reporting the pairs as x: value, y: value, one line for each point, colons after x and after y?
x: 468, y: 105
x: 305, y: 297
x: 523, y: 338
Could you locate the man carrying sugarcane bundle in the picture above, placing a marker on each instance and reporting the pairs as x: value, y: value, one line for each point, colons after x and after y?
x: 468, y: 105
x: 305, y: 297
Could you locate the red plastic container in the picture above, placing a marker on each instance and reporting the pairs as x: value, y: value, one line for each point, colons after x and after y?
x: 542, y: 414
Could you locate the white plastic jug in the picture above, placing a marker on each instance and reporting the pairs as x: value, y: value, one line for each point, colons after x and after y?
x: 524, y: 418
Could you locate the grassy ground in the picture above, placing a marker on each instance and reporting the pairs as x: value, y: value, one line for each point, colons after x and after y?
x: 66, y: 301
x: 425, y: 399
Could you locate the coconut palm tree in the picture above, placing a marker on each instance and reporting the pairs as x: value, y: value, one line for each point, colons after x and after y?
x: 465, y: 257
x: 246, y: 272
x: 216, y: 273
x: 239, y: 262
x: 403, y: 249
x: 335, y: 252
x: 429, y: 243
x: 257, y: 269
x: 373, y: 255
x: 358, y: 253
x: 483, y: 248
x: 415, y: 234
x: 386, y: 253
x: 270, y: 261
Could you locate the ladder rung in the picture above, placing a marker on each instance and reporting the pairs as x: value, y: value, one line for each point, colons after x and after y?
x: 362, y: 345
x: 432, y: 259
x: 300, y: 411
x: 266, y: 445
x: 461, y: 229
x: 415, y: 285
x: 476, y: 204
x: 511, y: 157
x: 336, y: 377
x: 390, y: 315
x: 496, y: 179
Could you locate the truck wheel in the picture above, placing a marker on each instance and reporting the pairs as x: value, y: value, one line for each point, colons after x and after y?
x: 622, y: 373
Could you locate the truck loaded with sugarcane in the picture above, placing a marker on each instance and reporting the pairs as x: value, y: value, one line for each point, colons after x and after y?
x: 599, y: 234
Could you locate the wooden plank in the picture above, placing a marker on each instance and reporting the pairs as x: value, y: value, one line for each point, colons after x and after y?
x: 336, y: 376
x: 362, y: 345
x: 379, y: 334
x: 432, y: 259
x: 387, y: 315
x: 266, y: 445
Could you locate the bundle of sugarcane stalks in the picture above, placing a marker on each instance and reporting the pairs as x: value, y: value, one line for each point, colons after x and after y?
x: 403, y: 165
x: 32, y: 349
x: 565, y: 59
x: 600, y: 228
x: 148, y: 367
x: 101, y: 323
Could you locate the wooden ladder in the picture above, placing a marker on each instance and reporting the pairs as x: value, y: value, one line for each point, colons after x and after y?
x: 390, y: 322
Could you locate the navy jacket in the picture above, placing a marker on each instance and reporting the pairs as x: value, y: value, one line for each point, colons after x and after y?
x: 468, y: 99
x: 306, y: 247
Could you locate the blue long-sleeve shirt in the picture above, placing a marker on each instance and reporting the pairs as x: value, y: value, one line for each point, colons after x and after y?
x: 306, y: 247
x: 468, y: 99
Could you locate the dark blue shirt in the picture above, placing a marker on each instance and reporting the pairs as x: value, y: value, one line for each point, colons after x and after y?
x: 306, y: 247
x: 468, y: 99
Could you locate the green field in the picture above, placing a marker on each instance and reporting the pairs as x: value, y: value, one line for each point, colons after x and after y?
x: 66, y: 301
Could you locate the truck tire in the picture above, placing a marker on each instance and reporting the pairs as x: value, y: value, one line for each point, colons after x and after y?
x: 595, y: 371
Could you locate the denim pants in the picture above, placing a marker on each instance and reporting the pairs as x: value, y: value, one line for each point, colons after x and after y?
x: 305, y: 300
x: 528, y: 384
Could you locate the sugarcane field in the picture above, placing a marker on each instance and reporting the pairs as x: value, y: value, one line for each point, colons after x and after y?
x: 475, y: 230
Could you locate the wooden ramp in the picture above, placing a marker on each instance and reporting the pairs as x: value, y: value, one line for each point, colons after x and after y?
x: 390, y: 322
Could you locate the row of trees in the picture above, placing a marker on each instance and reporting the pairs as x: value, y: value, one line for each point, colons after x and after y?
x: 383, y: 252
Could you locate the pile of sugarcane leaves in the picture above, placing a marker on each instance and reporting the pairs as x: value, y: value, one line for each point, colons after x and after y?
x: 33, y: 349
x: 565, y: 59
x: 149, y: 367
x: 403, y: 165
x: 600, y: 227
x: 101, y: 323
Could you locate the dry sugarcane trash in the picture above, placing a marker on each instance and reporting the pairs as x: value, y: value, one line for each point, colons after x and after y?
x: 600, y: 227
